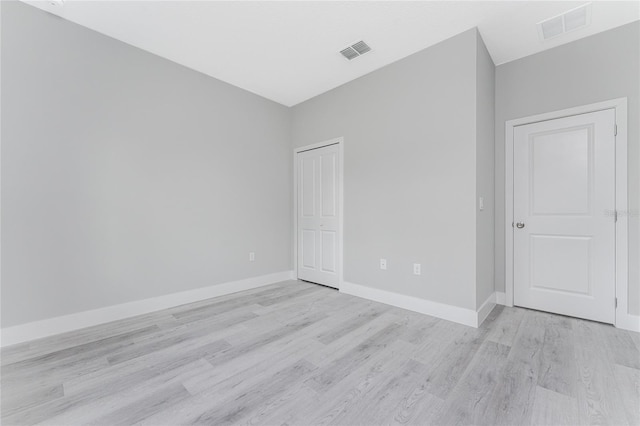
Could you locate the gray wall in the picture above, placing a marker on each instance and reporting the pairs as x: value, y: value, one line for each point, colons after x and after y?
x: 597, y: 68
x: 485, y: 101
x: 126, y: 176
x: 410, y: 169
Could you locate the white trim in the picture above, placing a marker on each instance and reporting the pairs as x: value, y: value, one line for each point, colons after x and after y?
x: 435, y: 309
x: 317, y: 145
x: 52, y: 326
x: 340, y: 142
x: 623, y: 318
x: 628, y: 322
x: 500, y: 298
x: 485, y: 309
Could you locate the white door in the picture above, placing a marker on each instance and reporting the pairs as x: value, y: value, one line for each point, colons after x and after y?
x: 318, y: 219
x: 564, y: 229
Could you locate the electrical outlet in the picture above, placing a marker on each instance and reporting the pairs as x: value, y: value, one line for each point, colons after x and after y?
x: 417, y: 269
x: 252, y: 257
x: 383, y: 263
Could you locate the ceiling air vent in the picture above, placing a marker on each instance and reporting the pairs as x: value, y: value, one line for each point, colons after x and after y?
x: 355, y: 50
x: 571, y: 20
x: 361, y: 47
x: 349, y: 53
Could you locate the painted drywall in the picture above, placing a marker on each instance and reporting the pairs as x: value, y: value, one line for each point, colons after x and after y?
x: 126, y: 176
x: 597, y: 68
x: 410, y: 169
x: 485, y: 140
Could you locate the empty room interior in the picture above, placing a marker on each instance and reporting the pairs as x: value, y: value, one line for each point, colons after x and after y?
x: 320, y: 212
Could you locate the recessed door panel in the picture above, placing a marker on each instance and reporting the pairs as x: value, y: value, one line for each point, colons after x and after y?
x: 308, y: 237
x: 328, y: 183
x: 308, y: 196
x: 328, y: 251
x: 561, y: 263
x: 560, y: 166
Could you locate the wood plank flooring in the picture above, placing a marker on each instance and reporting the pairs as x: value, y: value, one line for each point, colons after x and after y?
x: 300, y: 354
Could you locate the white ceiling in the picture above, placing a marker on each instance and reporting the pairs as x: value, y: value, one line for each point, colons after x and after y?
x: 288, y: 51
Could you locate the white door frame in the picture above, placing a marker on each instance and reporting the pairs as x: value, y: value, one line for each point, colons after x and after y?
x: 622, y: 318
x: 340, y: 142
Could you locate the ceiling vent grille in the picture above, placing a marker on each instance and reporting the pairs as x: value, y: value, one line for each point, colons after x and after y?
x: 569, y: 21
x: 355, y: 50
x: 361, y: 47
x: 349, y: 53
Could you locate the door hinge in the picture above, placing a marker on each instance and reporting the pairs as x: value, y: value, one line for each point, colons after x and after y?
x: 615, y: 215
x: 616, y: 302
x: 615, y: 130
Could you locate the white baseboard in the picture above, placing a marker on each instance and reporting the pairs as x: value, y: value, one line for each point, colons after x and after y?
x: 627, y: 321
x: 440, y: 310
x: 485, y: 309
x: 624, y: 321
x: 52, y: 326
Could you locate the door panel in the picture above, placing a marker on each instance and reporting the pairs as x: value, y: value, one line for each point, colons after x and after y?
x: 308, y: 196
x: 564, y: 185
x: 318, y: 206
x: 308, y: 245
x: 560, y: 181
x: 328, y: 184
x: 329, y: 243
x: 561, y: 263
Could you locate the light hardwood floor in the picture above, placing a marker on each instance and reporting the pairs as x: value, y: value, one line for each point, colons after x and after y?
x: 296, y: 353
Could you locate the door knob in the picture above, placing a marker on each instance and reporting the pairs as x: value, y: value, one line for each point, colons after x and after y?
x: 519, y: 225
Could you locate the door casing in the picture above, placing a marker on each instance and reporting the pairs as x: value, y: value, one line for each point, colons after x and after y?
x: 622, y: 318
x: 340, y: 142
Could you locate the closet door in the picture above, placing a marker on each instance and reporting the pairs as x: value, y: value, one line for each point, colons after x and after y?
x: 318, y: 221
